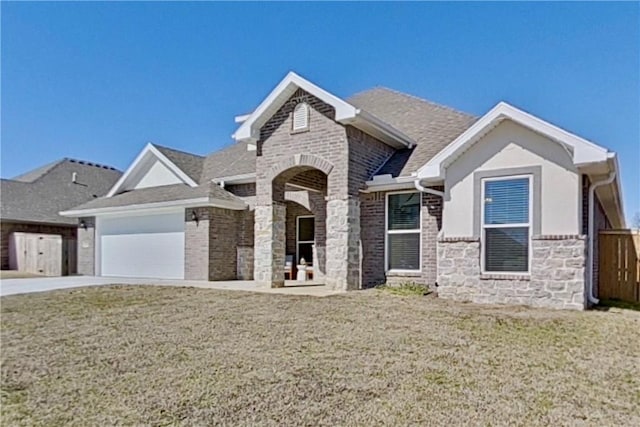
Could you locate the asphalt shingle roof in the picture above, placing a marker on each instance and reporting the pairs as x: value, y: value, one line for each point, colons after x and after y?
x: 232, y: 160
x: 38, y: 195
x: 191, y: 164
x: 431, y: 125
x: 162, y: 193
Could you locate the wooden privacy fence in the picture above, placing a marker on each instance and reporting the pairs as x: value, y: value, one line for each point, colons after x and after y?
x: 619, y: 265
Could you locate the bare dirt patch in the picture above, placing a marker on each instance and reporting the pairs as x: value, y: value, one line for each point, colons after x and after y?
x: 179, y: 356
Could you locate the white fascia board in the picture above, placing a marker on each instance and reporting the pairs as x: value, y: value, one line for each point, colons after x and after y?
x: 250, y: 128
x: 388, y: 133
x: 584, y: 151
x: 613, y: 159
x: 241, y: 118
x: 187, y: 203
x: 246, y: 178
x: 149, y: 150
x: 387, y: 183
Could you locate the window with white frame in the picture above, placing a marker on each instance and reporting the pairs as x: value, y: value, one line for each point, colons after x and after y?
x: 506, y: 224
x: 300, y: 117
x: 403, y: 232
x: 305, y: 238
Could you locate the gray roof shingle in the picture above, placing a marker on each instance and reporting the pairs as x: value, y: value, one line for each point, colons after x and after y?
x: 191, y: 164
x: 38, y: 195
x: 431, y: 125
x: 235, y: 159
x: 164, y: 193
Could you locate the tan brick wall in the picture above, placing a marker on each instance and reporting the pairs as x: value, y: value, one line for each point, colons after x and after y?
x: 347, y: 155
x: 211, y: 243
x: 86, y: 247
x: 373, y: 241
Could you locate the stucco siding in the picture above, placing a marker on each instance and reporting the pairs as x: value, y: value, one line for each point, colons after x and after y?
x: 512, y: 146
x: 158, y: 174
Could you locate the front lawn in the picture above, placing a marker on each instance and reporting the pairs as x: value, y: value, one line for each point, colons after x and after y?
x: 162, y: 355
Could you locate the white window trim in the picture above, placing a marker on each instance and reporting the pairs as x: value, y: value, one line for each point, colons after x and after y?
x: 387, y: 232
x: 298, y: 241
x: 484, y: 226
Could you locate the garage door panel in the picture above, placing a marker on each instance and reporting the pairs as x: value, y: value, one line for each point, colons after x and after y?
x: 143, y: 246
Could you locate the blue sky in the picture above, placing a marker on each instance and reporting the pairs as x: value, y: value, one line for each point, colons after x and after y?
x: 96, y: 81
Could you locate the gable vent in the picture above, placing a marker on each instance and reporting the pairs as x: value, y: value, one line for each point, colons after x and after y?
x: 300, y: 117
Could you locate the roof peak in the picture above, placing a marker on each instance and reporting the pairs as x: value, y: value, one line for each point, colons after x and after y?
x: 164, y: 147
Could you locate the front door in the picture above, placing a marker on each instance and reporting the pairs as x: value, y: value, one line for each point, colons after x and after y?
x: 305, y: 238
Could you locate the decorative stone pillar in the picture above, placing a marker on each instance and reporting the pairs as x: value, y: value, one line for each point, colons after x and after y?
x: 343, y: 243
x: 270, y: 245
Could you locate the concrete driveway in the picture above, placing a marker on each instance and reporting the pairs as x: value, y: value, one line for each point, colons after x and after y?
x: 43, y: 284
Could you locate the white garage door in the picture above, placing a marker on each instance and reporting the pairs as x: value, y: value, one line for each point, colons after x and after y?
x: 142, y: 246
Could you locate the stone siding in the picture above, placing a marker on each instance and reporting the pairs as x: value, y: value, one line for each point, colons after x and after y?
x: 7, y: 227
x: 557, y: 279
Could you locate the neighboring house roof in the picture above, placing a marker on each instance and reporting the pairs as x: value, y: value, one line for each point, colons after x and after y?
x: 430, y: 125
x: 38, y: 195
x: 204, y: 195
x: 191, y: 164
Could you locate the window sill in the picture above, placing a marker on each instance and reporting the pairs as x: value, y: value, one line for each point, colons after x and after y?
x: 293, y: 132
x: 404, y: 273
x: 494, y: 276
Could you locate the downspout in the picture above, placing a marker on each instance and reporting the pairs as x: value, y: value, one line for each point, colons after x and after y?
x: 423, y: 189
x: 592, y: 191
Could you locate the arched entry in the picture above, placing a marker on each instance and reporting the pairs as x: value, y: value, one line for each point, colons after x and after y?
x: 336, y: 247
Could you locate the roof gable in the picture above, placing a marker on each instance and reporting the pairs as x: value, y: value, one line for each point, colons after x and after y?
x: 345, y: 113
x: 153, y: 168
x: 583, y: 152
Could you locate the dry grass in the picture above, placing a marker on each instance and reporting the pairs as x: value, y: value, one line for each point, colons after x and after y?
x: 173, y: 356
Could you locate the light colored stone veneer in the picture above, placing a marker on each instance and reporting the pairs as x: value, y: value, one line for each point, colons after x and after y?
x: 557, y: 278
x: 269, y: 245
x: 343, y: 244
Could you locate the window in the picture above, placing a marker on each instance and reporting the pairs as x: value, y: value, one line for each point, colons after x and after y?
x: 403, y: 232
x: 305, y: 238
x: 506, y: 224
x: 300, y: 117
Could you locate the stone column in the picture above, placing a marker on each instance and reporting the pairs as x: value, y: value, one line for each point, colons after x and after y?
x: 270, y: 245
x: 343, y: 243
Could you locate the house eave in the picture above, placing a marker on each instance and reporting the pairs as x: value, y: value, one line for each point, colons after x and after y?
x: 175, y: 204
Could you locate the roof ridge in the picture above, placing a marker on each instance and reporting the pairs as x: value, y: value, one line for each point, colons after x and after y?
x: 417, y: 98
x: 175, y: 150
x: 86, y: 163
